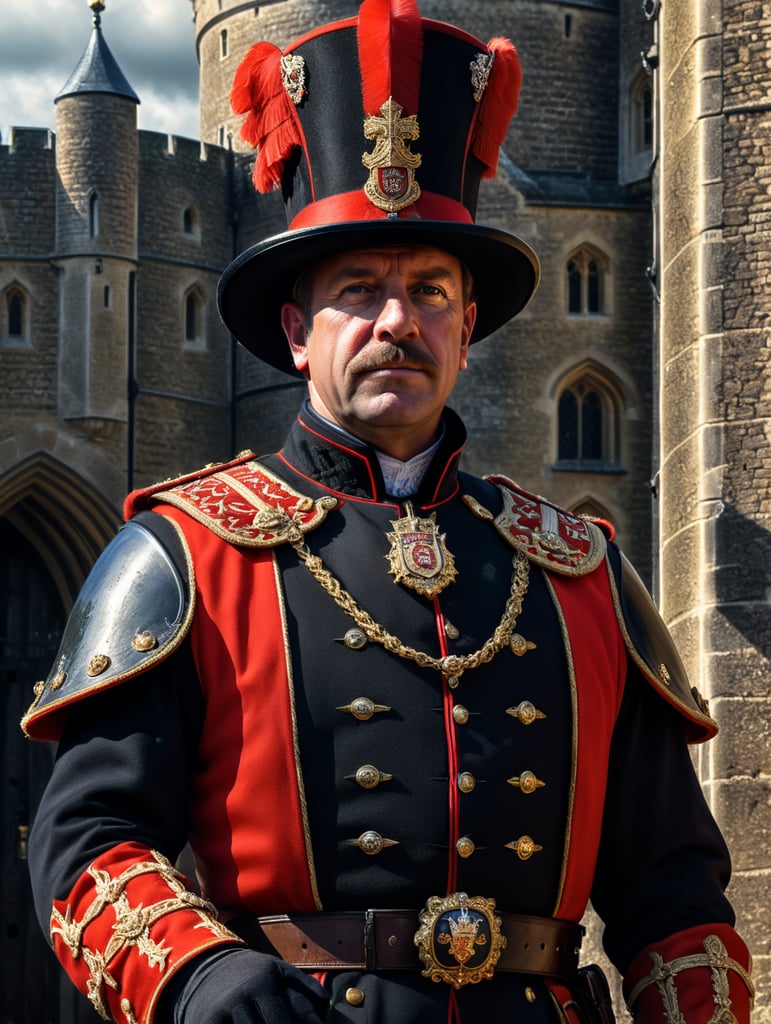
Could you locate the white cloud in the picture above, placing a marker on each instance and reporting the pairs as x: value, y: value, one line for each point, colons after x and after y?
x: 41, y: 43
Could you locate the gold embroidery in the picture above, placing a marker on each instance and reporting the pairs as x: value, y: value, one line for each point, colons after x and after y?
x: 132, y: 924
x: 663, y: 977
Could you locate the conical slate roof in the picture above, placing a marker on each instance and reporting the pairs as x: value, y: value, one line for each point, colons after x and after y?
x: 97, y: 71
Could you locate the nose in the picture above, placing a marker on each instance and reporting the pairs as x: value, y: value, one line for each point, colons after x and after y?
x: 395, y: 320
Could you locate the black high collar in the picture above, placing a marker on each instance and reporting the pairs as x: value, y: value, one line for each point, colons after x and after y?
x: 339, y: 462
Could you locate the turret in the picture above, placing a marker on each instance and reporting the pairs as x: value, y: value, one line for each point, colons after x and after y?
x: 96, y: 235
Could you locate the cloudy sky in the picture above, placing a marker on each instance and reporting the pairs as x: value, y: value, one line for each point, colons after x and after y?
x: 41, y: 41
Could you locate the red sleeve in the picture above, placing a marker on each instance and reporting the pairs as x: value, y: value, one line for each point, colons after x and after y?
x: 700, y: 974
x: 130, y: 922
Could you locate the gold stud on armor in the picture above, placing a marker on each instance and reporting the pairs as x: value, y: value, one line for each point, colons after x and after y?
x: 98, y: 664
x: 144, y: 641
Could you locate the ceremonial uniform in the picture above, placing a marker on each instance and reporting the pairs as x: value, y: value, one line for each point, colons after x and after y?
x: 320, y: 755
x: 406, y: 738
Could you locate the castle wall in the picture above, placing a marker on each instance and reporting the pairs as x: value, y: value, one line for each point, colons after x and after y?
x: 715, y: 505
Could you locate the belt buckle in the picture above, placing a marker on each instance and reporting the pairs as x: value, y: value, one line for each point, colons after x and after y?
x: 459, y: 939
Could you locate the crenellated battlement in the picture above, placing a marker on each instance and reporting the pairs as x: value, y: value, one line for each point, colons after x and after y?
x: 18, y: 140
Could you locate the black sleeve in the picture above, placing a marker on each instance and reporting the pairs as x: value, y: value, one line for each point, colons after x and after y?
x: 663, y: 863
x: 121, y: 774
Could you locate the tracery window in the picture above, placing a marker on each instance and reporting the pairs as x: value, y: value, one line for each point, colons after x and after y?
x: 586, y: 273
x: 588, y: 410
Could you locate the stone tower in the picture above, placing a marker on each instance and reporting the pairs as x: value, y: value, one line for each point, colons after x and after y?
x: 96, y: 236
x: 713, y: 231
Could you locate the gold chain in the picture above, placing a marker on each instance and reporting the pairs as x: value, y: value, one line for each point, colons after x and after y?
x: 452, y: 665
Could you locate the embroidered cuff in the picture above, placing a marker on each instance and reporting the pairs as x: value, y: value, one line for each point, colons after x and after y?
x: 130, y: 923
x: 700, y: 974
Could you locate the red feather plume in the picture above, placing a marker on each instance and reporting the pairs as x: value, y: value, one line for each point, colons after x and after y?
x: 270, y: 124
x: 390, y: 38
x: 498, y: 104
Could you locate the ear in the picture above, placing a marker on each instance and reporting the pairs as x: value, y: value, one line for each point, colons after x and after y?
x: 293, y: 323
x: 469, y: 319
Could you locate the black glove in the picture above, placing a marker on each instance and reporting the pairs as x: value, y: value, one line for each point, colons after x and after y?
x: 239, y: 986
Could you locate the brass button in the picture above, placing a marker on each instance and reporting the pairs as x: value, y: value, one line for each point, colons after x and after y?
x: 460, y: 714
x: 526, y: 712
x: 368, y: 776
x: 465, y: 846
x: 354, y: 996
x: 529, y: 994
x: 524, y: 847
x: 521, y: 646
x: 363, y: 708
x: 466, y: 782
x: 355, y: 639
x: 527, y: 782
x: 372, y: 842
x: 452, y: 632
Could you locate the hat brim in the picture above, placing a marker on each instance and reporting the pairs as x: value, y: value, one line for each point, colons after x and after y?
x: 257, y: 283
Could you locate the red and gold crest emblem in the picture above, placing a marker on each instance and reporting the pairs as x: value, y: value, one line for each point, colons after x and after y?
x: 419, y: 557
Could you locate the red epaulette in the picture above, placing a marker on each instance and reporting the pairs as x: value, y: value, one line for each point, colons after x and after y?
x: 549, y: 535
x: 240, y: 501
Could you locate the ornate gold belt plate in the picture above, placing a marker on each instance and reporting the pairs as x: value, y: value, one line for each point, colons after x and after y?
x: 459, y: 939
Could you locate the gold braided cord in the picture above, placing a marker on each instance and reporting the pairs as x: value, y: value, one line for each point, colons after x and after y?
x: 452, y: 665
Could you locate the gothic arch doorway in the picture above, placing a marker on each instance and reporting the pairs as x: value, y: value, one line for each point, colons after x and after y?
x: 52, y: 527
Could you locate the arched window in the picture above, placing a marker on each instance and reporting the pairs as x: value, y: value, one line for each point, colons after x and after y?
x: 641, y: 116
x: 14, y: 321
x: 15, y: 315
x: 587, y: 424
x: 586, y: 273
x: 93, y: 214
x: 194, y: 314
x: 224, y: 42
x: 190, y: 223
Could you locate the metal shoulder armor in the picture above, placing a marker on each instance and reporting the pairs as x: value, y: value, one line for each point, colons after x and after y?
x: 133, y: 611
x: 653, y: 650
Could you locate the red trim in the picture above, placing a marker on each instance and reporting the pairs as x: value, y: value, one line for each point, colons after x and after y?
x: 447, y: 466
x: 452, y: 760
x: 600, y: 672
x: 428, y: 24
x: 238, y: 609
x: 354, y: 206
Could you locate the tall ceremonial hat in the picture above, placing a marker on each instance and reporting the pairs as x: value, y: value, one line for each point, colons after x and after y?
x: 377, y: 130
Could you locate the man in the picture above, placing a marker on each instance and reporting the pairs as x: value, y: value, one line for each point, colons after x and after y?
x: 408, y: 720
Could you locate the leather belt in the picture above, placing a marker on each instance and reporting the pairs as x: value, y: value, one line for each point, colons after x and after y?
x: 383, y: 940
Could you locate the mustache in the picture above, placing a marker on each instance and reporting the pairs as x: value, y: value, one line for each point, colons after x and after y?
x: 386, y: 354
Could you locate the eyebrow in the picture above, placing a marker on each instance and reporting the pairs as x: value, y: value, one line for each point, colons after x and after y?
x: 430, y: 273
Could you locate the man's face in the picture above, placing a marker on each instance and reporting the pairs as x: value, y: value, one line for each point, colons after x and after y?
x: 386, y: 335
